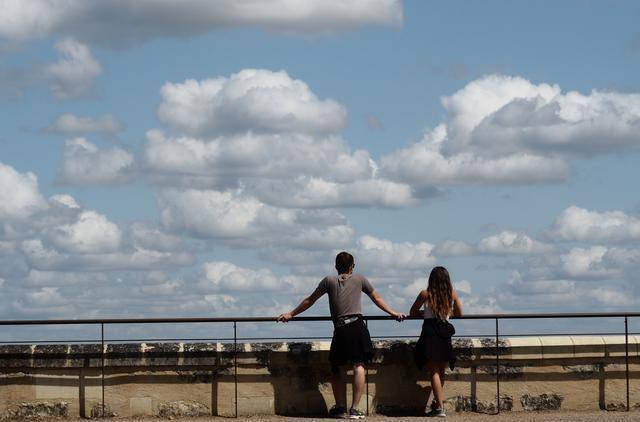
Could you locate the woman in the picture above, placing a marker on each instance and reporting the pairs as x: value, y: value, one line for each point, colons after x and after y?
x: 434, y: 348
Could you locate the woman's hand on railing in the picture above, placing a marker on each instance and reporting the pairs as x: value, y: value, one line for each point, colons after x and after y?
x: 286, y: 317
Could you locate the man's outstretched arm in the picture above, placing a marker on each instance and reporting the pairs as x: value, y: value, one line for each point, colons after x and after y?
x: 303, y: 306
x: 380, y: 303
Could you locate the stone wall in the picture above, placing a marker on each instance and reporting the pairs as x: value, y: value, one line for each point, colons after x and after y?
x: 174, y: 379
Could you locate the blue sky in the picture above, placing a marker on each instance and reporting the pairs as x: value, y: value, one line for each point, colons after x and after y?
x: 211, y: 160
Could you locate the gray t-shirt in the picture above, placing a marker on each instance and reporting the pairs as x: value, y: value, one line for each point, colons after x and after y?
x: 344, y: 293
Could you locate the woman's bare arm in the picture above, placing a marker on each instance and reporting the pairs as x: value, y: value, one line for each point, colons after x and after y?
x: 415, y: 308
x: 303, y: 306
x: 457, y: 305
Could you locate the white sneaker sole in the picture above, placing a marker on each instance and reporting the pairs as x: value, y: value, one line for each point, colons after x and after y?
x: 443, y: 415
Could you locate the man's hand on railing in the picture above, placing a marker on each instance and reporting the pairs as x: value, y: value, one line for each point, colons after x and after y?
x: 286, y: 317
x: 398, y: 316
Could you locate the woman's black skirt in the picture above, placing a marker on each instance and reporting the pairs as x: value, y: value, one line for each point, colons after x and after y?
x: 351, y: 344
x: 431, y: 346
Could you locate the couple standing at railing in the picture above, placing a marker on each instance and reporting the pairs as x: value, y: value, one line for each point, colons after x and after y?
x: 351, y: 343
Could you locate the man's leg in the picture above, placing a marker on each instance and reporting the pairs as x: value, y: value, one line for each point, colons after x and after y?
x: 339, y: 388
x: 358, y: 383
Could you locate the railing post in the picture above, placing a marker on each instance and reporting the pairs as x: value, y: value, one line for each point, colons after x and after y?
x: 235, y: 365
x: 497, y: 367
x: 626, y: 355
x: 102, y: 366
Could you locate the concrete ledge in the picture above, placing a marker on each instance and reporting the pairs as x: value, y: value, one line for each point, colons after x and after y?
x: 568, y: 373
x: 186, y: 354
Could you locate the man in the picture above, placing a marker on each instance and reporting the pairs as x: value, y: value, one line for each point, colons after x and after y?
x: 351, y: 343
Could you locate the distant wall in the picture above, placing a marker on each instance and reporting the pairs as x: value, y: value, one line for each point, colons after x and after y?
x: 567, y: 373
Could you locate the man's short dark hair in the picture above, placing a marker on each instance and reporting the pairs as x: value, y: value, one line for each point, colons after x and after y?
x: 344, y: 262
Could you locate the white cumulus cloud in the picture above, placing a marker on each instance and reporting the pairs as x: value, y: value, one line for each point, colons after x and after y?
x: 504, y: 114
x: 503, y: 129
x: 84, y: 163
x: 606, y: 296
x: 588, y: 263
x: 75, y: 72
x: 381, y: 254
x: 269, y: 135
x: 225, y: 276
x: 577, y: 224
x: 46, y: 259
x: 522, y: 294
x: 210, y: 213
x: 19, y: 193
x: 256, y: 156
x: 507, y: 242
x: 92, y: 233
x: 316, y: 192
x: 70, y: 124
x: 454, y: 248
x: 252, y: 99
x: 241, y: 220
x: 511, y: 242
x: 424, y: 164
x: 120, y: 22
x: 321, y: 238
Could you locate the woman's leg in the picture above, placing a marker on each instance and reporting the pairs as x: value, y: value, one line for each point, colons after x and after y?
x: 358, y: 383
x: 433, y: 402
x: 434, y: 369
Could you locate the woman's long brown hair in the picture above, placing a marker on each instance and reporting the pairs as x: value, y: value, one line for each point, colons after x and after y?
x: 440, y: 292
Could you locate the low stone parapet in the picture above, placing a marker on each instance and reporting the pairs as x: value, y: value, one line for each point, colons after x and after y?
x: 182, y: 379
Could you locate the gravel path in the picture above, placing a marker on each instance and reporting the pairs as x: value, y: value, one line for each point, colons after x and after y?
x: 476, y: 417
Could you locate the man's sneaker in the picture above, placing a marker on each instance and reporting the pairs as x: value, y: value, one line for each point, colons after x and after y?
x: 355, y: 414
x: 436, y: 413
x: 338, y: 412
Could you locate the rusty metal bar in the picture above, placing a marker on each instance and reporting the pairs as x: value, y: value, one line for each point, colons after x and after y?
x: 366, y: 376
x: 626, y: 356
x: 497, y: 367
x: 102, y: 366
x: 235, y: 365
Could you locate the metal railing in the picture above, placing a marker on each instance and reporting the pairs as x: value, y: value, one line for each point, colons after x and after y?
x: 237, y: 320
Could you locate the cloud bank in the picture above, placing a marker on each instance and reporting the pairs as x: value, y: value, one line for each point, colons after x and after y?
x: 121, y: 23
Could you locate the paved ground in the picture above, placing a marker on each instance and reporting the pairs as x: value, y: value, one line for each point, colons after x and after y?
x: 506, y: 417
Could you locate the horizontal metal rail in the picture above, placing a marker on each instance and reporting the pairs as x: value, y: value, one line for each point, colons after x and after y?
x: 306, y: 318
